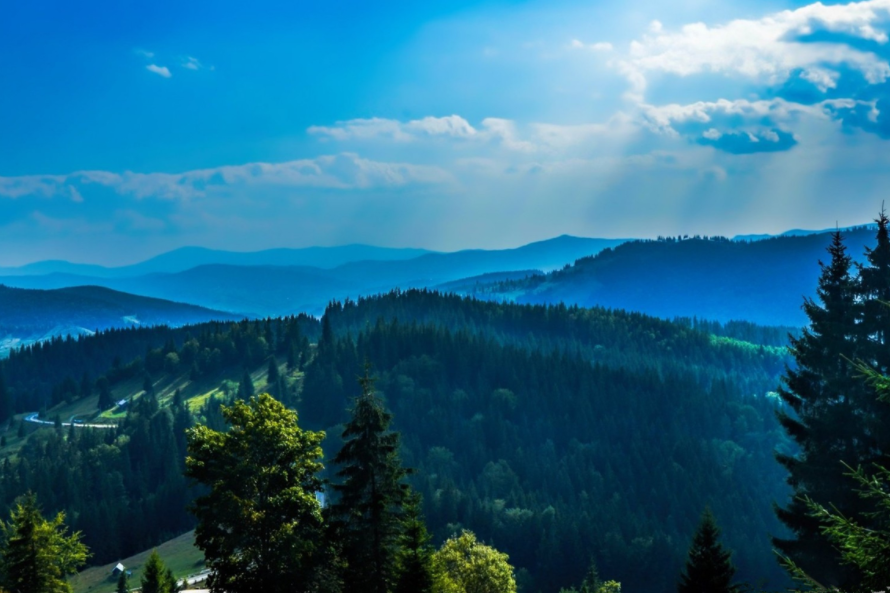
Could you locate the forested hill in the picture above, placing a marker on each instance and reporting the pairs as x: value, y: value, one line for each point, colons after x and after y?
x: 28, y: 315
x: 711, y: 278
x: 555, y: 433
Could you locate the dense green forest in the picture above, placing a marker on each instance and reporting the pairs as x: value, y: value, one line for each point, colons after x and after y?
x: 558, y: 434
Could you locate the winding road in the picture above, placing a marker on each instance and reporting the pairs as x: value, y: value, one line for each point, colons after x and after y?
x: 32, y: 417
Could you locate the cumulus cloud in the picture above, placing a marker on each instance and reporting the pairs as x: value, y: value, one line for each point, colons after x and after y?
x: 159, y: 70
x: 770, y: 49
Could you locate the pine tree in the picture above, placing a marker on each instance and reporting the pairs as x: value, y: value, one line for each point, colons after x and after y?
x: 708, y: 566
x: 5, y: 400
x: 824, y: 397
x: 415, y: 558
x: 874, y: 316
x: 106, y: 402
x: 123, y: 583
x: 369, y: 509
x: 245, y: 387
x: 154, y: 576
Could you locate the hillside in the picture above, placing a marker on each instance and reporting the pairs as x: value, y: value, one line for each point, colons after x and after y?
x: 759, y: 281
x: 271, y: 290
x: 556, y: 433
x: 32, y: 315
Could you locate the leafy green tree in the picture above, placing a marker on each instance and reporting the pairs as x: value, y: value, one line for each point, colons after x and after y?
x: 37, y: 555
x: 369, y: 509
x: 415, y: 557
x: 123, y: 583
x: 260, y: 523
x: 709, y: 566
x: 464, y: 565
x: 156, y: 577
x: 823, y: 400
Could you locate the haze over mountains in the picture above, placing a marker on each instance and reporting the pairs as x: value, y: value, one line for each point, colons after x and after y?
x: 762, y: 281
x: 27, y: 316
x: 228, y: 281
x: 758, y: 280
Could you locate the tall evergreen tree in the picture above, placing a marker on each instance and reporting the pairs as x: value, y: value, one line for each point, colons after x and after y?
x: 874, y: 316
x: 823, y: 397
x: 369, y: 509
x: 154, y: 576
x: 123, y: 583
x: 415, y: 559
x: 709, y: 567
x: 5, y: 400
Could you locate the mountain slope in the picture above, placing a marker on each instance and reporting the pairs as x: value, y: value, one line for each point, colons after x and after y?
x: 30, y: 315
x: 761, y: 281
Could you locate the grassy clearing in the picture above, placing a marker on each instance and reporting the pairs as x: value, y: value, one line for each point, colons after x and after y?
x: 180, y: 554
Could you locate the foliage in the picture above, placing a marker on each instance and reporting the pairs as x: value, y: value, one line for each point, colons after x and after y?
x: 708, y: 567
x: 38, y: 554
x: 415, y: 557
x: 464, y: 565
x: 260, y: 523
x: 123, y: 583
x: 832, y: 415
x: 156, y: 577
x: 368, y: 512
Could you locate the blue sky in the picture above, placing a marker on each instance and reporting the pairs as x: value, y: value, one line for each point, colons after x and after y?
x: 128, y: 128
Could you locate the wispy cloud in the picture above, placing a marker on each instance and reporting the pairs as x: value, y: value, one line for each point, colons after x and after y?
x: 601, y: 46
x: 159, y: 70
x: 191, y: 63
x: 345, y: 171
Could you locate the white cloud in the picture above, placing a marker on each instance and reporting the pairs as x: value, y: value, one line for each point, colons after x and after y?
x: 191, y: 63
x: 768, y: 49
x: 344, y: 171
x: 159, y: 70
x: 601, y: 46
x: 663, y: 117
x: 503, y: 132
x: 145, y: 54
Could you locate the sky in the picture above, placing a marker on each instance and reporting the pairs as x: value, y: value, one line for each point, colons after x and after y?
x: 128, y: 128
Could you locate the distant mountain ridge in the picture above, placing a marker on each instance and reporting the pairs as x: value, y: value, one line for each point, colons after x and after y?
x: 281, y: 290
x: 186, y: 258
x: 762, y: 281
x: 27, y: 316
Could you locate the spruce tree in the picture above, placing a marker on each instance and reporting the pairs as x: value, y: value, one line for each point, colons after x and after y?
x: 5, y: 400
x: 709, y: 568
x: 823, y: 397
x: 154, y: 577
x: 415, y: 559
x: 369, y: 509
x: 123, y: 583
x: 874, y: 316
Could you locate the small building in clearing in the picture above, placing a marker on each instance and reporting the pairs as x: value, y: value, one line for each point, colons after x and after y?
x: 118, y: 569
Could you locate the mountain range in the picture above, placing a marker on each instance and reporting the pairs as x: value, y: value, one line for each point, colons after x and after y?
x: 275, y: 289
x: 762, y: 281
